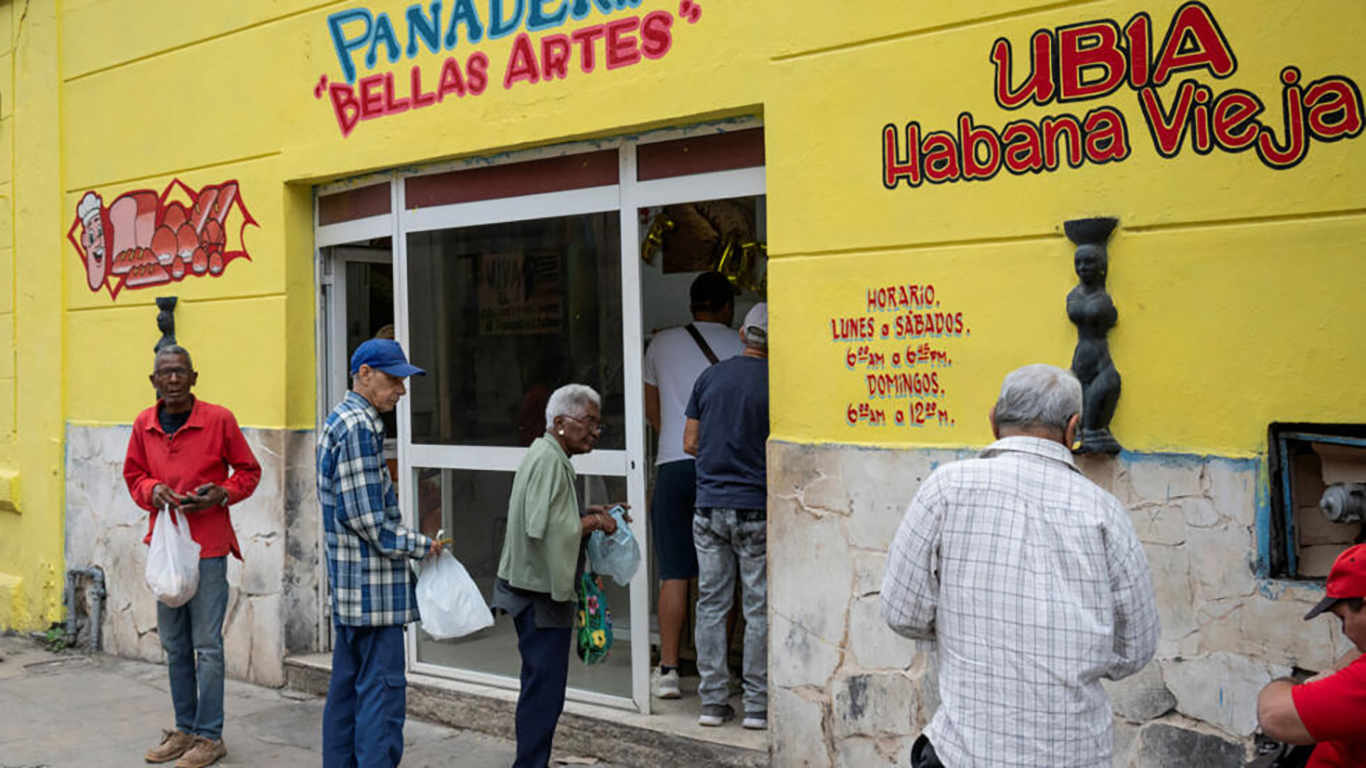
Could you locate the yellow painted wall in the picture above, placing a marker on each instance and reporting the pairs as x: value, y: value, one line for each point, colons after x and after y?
x: 1236, y: 284
x: 31, y: 335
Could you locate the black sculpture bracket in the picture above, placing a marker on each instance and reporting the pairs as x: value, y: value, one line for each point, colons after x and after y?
x: 165, y: 321
x: 1092, y: 310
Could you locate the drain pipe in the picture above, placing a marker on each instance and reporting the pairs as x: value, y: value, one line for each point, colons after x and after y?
x: 97, y: 595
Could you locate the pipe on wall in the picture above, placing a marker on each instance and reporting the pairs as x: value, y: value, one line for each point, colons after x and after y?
x: 97, y: 594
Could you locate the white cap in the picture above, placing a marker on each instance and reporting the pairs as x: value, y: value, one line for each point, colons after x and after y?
x: 757, y: 318
x: 89, y: 206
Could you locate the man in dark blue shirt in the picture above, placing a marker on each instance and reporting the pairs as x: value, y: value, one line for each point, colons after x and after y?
x: 727, y: 430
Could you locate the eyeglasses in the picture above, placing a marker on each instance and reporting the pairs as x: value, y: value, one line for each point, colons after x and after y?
x: 592, y: 426
x: 167, y: 373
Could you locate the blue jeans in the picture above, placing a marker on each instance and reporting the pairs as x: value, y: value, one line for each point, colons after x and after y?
x: 192, y: 636
x: 366, y: 700
x: 731, y: 544
x: 545, y: 673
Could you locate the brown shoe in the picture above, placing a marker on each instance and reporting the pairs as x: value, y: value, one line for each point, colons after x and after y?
x: 173, y: 744
x: 204, y: 753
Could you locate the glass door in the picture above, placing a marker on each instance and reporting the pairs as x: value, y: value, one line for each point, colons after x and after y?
x: 514, y: 287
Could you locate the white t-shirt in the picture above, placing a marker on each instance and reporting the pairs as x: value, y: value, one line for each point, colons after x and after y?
x: 673, y: 362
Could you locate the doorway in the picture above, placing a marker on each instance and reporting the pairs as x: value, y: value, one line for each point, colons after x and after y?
x: 506, y: 280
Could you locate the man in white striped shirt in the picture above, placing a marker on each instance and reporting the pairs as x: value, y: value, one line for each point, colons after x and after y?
x: 1034, y: 585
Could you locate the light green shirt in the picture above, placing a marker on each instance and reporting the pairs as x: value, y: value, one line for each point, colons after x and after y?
x: 541, y: 546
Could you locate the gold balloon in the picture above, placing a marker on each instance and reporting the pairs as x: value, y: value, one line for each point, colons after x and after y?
x: 654, y: 238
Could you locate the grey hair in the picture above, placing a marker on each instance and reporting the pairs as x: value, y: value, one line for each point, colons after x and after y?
x: 1038, y: 396
x: 172, y: 349
x: 570, y: 400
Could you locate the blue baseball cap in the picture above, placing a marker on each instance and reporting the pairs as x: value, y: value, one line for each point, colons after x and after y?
x: 383, y: 355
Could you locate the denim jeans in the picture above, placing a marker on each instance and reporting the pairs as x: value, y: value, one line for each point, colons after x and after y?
x: 366, y: 699
x: 731, y: 543
x: 192, y: 636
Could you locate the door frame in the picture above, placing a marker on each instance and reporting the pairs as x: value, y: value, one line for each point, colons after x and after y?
x: 626, y: 197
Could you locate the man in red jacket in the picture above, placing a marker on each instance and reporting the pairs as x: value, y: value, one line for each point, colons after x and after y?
x: 1330, y: 709
x: 178, y: 459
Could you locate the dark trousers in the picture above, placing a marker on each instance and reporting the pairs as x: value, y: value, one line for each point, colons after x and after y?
x: 367, y: 699
x: 545, y: 673
x: 922, y: 754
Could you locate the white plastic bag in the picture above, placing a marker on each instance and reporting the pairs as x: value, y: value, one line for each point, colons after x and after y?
x: 173, y: 560
x: 449, y: 600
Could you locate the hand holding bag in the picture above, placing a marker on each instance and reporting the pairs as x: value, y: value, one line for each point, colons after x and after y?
x: 448, y: 599
x: 173, y: 560
x: 617, y: 555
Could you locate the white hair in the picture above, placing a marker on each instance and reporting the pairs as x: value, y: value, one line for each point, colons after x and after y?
x: 1038, y: 396
x: 570, y: 400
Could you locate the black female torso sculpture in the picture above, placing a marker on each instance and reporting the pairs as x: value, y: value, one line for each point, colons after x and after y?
x: 1090, y: 308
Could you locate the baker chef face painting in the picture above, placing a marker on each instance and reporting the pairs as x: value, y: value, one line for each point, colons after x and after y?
x: 90, y: 212
x: 143, y: 239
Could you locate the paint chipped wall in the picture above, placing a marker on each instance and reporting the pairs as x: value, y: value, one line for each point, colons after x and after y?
x: 273, y: 597
x: 847, y: 691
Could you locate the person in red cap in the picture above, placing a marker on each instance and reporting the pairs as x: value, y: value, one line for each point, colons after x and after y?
x: 1328, y: 710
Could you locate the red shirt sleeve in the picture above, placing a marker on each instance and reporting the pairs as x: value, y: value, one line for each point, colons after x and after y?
x: 1334, y: 708
x: 136, y: 473
x: 246, y: 471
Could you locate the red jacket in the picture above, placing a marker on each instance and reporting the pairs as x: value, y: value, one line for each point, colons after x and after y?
x: 199, y: 452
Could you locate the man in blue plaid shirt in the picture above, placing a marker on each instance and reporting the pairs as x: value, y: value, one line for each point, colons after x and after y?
x: 368, y: 554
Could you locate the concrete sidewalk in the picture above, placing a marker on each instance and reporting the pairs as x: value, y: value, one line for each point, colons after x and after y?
x: 102, y: 712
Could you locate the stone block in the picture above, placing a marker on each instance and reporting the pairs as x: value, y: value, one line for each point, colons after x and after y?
x: 1175, y: 594
x: 798, y: 657
x: 1269, y: 629
x: 797, y: 735
x: 1158, y: 479
x: 253, y: 647
x: 1232, y: 488
x: 881, y: 484
x: 1141, y: 697
x: 872, y: 705
x: 1124, y: 737
x: 1220, y: 689
x: 792, y: 466
x: 869, y: 568
x: 1163, y: 524
x: 873, y: 643
x: 799, y: 547
x: 1199, y: 512
x: 870, y: 753
x: 1223, y: 565
x: 1161, y: 745
x: 1102, y: 470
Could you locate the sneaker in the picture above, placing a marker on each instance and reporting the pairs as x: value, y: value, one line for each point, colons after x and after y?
x: 716, y: 714
x: 173, y: 744
x: 756, y: 721
x: 205, y: 752
x: 664, y: 685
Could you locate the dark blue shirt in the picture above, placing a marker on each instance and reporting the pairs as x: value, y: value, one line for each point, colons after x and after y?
x: 730, y: 403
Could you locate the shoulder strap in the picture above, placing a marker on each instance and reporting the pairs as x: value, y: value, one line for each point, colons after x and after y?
x: 702, y: 343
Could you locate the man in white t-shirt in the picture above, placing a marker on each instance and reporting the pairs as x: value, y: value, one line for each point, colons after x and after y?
x: 673, y: 362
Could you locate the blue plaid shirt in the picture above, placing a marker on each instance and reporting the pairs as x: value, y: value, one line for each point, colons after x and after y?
x: 368, y: 547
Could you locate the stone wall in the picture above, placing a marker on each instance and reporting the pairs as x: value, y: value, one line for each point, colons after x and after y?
x: 273, y: 592
x: 846, y: 691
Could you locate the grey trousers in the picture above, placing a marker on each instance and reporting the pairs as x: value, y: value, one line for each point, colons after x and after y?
x: 732, y: 542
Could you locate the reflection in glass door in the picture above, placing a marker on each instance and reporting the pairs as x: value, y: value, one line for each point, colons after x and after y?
x: 501, y: 315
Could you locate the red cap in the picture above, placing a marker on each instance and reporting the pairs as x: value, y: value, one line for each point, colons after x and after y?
x: 1346, y: 580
